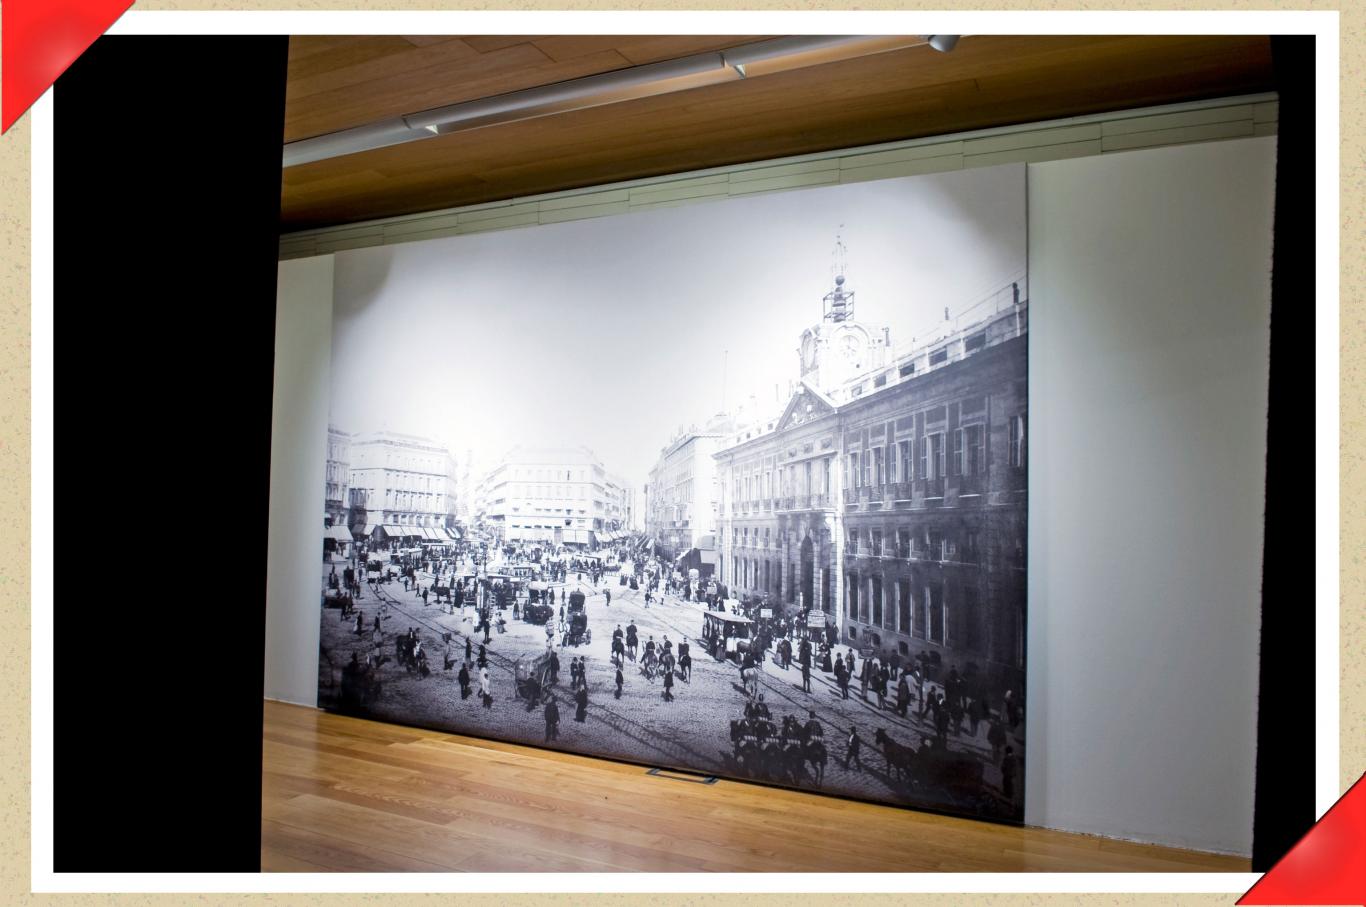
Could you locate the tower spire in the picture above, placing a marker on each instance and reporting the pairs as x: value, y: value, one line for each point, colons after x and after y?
x: 839, y: 302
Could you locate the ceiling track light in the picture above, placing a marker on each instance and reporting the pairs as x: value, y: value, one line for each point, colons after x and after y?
x: 650, y: 80
x: 942, y: 43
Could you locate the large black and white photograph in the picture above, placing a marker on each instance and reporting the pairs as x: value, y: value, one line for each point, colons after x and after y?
x: 734, y: 487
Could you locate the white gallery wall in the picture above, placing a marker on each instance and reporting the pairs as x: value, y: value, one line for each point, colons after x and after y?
x: 298, y: 445
x: 1149, y: 306
x: 1150, y: 280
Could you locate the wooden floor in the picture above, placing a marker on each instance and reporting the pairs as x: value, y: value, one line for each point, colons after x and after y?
x: 343, y: 794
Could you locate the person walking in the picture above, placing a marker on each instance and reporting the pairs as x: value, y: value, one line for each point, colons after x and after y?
x: 668, y: 686
x: 685, y: 661
x: 554, y: 668
x: 865, y: 676
x: 581, y: 700
x: 464, y: 678
x: 806, y: 675
x: 1008, y: 769
x: 620, y: 680
x: 484, y: 690
x: 552, y: 720
x: 851, y: 749
x: 996, y: 736
x: 903, y: 696
x: 941, y: 720
x: 608, y: 594
x: 842, y: 677
x: 469, y: 649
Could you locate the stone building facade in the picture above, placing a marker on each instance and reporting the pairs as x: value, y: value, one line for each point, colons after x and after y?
x: 891, y: 491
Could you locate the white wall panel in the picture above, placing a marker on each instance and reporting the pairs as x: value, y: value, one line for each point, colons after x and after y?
x: 1149, y: 278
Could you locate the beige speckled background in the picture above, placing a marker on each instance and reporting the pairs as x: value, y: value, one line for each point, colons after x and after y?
x: 15, y: 446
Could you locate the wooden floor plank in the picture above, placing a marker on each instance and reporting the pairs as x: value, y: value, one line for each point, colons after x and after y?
x: 346, y: 795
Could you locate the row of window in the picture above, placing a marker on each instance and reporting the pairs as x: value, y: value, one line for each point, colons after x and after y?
x: 963, y: 453
x: 553, y: 492
x: 926, y: 612
x: 807, y: 477
x: 550, y: 474
x: 927, y: 544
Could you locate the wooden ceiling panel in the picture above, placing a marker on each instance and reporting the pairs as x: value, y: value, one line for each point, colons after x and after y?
x: 336, y: 84
x: 914, y: 92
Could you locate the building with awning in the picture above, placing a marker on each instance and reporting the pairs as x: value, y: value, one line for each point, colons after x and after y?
x: 337, y: 536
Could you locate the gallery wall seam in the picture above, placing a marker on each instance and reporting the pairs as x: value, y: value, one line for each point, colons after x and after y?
x: 1116, y: 131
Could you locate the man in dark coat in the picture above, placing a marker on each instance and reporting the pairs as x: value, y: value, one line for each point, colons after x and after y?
x: 806, y: 675
x: 620, y: 680
x: 554, y: 667
x: 552, y: 720
x: 851, y: 749
x: 941, y: 719
x: 464, y: 678
x: 581, y: 699
x: 1008, y: 769
x: 842, y: 676
x: 668, y: 686
x: 813, y: 727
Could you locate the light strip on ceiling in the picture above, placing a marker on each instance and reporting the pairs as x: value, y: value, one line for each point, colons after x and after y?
x: 652, y: 79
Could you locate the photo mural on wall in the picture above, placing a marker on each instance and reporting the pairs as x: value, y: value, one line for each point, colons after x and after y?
x: 737, y: 487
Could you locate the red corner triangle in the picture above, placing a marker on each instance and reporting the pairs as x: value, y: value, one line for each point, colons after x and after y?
x: 39, y: 39
x: 1328, y: 865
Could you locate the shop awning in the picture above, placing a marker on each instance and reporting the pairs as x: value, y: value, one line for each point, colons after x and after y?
x: 454, y: 534
x: 430, y: 533
x: 338, y: 533
x: 394, y: 532
x: 368, y: 529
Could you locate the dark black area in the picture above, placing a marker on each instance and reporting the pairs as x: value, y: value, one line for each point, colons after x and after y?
x: 1284, y: 804
x: 167, y: 203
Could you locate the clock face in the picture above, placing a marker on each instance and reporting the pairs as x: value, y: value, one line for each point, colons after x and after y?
x: 850, y: 347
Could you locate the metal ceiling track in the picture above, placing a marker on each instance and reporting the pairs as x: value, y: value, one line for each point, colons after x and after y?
x: 744, y: 62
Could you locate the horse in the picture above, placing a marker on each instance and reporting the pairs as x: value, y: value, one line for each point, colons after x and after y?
x: 897, y: 756
x: 794, y: 759
x: 775, y: 761
x: 814, y: 752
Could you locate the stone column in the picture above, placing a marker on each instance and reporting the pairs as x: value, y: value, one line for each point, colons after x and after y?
x: 837, y: 530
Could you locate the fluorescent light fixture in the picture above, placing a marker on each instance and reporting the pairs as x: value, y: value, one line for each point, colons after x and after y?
x: 652, y: 79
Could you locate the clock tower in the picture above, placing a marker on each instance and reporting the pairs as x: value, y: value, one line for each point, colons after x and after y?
x: 839, y: 348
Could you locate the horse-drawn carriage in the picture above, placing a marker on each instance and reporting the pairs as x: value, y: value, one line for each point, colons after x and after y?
x: 727, y: 636
x: 578, y: 619
x: 531, y: 678
x: 338, y: 598
x: 538, y: 614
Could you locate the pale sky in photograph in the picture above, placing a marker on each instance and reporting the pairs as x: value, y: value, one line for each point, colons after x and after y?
x: 610, y: 332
